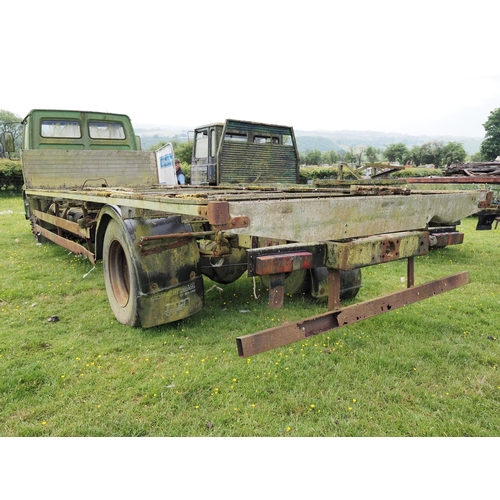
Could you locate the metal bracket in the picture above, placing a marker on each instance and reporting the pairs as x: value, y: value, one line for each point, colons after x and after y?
x: 217, y: 213
x: 277, y: 266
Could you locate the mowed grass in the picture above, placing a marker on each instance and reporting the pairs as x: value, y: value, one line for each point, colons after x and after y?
x: 429, y: 369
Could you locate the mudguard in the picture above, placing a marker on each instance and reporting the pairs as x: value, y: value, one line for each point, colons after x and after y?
x: 170, y: 284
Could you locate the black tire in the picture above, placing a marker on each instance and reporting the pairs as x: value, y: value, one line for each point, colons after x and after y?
x: 350, y: 283
x: 295, y: 282
x: 119, y: 275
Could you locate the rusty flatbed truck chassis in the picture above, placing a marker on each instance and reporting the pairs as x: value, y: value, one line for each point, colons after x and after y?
x: 157, y: 241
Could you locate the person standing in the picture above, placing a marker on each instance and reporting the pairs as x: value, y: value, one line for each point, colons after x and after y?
x: 181, y: 178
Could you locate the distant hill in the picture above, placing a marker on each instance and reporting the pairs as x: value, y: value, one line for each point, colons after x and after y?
x: 322, y: 140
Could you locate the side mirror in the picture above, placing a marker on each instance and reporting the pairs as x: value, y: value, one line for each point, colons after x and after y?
x: 7, y: 142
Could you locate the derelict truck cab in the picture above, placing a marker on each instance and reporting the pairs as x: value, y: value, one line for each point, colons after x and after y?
x: 55, y: 129
x: 243, y: 152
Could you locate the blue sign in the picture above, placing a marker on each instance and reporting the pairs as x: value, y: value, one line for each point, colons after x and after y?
x: 167, y: 160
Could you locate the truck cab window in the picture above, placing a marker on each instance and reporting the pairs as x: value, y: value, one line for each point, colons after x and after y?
x: 213, y: 145
x: 265, y: 139
x: 106, y: 130
x: 201, y: 144
x: 261, y: 139
x: 61, y: 129
x: 235, y: 136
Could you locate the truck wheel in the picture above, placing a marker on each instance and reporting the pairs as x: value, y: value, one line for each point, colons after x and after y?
x: 119, y: 275
x: 295, y: 282
x: 350, y: 283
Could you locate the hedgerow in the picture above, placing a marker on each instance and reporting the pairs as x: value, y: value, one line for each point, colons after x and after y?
x: 11, y: 175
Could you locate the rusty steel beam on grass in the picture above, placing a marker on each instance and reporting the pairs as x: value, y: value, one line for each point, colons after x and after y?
x: 287, y: 333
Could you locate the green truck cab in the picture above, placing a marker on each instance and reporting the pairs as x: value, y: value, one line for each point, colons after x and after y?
x: 243, y: 152
x: 56, y: 129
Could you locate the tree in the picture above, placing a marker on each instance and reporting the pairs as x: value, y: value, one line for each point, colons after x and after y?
x: 431, y: 153
x: 415, y: 155
x: 330, y: 157
x: 372, y: 154
x: 183, y: 151
x: 313, y: 157
x: 349, y: 157
x: 396, y: 152
x: 9, y: 122
x: 453, y: 152
x: 356, y: 154
x: 476, y: 157
x: 490, y: 147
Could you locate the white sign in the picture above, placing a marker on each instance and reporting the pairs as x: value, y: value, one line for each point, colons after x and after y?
x: 165, y: 163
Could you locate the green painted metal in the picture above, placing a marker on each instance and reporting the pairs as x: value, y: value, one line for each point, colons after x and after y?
x: 80, y: 136
x: 268, y: 155
x: 76, y: 169
x: 243, y: 152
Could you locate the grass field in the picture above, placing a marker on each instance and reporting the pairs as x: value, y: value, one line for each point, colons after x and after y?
x: 430, y: 369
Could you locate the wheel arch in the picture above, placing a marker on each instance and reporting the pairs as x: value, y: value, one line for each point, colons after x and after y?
x: 106, y: 214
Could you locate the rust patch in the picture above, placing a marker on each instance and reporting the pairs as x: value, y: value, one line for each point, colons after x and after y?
x: 283, y: 263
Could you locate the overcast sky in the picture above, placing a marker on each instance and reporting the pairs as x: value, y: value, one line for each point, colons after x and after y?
x: 426, y: 67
